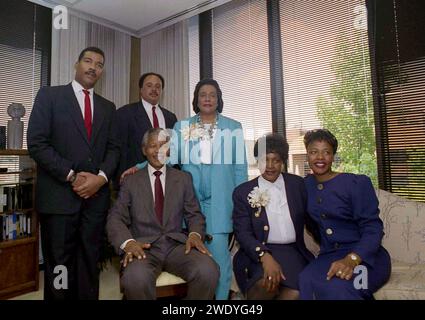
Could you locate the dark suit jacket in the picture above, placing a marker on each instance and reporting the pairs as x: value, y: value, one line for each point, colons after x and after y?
x: 133, y: 122
x: 58, y: 142
x: 250, y: 231
x: 133, y: 214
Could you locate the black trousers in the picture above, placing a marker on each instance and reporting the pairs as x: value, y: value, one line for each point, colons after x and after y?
x: 71, y: 247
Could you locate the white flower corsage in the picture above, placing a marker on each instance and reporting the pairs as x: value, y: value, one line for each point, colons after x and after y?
x: 192, y: 132
x: 258, y: 198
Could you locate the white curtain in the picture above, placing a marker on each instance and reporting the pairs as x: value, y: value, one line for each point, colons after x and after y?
x: 68, y: 43
x: 166, y: 52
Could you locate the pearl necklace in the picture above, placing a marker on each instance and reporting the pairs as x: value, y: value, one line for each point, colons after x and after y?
x: 210, y: 130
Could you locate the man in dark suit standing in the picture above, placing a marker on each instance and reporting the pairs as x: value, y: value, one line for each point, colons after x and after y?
x: 72, y: 136
x: 146, y: 222
x: 136, y: 118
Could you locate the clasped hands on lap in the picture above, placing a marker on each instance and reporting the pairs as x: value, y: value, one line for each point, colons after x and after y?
x: 134, y: 249
x: 87, y: 184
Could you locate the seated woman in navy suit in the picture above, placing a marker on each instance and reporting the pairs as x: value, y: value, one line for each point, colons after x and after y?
x: 345, y: 207
x: 268, y: 219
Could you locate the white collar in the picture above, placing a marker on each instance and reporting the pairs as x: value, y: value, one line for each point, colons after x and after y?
x: 79, y: 88
x: 279, y: 183
x: 151, y: 170
x: 148, y: 105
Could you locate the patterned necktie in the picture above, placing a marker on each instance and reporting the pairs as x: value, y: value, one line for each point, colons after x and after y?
x: 159, y: 196
x: 87, y: 112
x: 155, y: 118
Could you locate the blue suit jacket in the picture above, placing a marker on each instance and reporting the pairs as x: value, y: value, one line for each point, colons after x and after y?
x: 252, y: 232
x: 229, y: 168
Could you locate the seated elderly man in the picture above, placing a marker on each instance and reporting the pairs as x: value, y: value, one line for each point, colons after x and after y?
x: 146, y: 223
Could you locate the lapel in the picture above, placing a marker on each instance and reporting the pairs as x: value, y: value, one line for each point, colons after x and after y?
x: 171, y: 183
x: 188, y: 145
x: 168, y: 120
x: 75, y: 111
x: 290, y: 197
x: 98, y: 117
x: 217, y: 147
x: 146, y: 193
x: 142, y: 118
x: 263, y: 215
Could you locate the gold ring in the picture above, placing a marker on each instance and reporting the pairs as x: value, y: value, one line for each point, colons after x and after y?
x: 339, y: 272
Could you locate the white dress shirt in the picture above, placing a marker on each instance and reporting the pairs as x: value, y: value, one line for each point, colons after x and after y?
x: 205, y: 146
x: 78, y: 90
x: 158, y: 111
x: 281, y: 227
x: 80, y: 95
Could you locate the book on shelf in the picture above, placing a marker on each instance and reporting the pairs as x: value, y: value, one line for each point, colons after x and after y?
x: 15, y: 226
x: 16, y: 197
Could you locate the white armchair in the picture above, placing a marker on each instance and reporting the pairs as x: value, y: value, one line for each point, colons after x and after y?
x: 404, y: 227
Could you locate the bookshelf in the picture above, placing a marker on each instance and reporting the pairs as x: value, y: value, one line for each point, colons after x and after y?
x: 19, y: 235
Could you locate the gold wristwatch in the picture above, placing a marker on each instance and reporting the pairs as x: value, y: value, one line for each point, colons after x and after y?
x: 355, y: 258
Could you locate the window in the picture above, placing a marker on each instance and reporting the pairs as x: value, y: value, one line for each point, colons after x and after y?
x: 241, y: 67
x: 20, y: 80
x: 25, y: 45
x: 327, y: 81
x: 400, y: 64
x: 193, y: 38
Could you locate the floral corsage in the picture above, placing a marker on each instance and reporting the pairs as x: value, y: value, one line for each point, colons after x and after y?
x: 192, y: 132
x: 258, y: 198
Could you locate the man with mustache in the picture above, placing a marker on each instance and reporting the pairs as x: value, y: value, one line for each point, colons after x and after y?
x: 135, y: 119
x: 72, y: 136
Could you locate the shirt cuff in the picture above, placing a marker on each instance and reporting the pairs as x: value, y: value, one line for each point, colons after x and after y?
x: 125, y: 243
x: 70, y: 174
x: 193, y: 232
x: 101, y: 173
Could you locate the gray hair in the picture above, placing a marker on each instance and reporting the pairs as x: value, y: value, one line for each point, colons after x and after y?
x: 156, y: 132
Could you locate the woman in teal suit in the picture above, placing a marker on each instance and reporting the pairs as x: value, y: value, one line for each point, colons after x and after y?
x: 211, y: 147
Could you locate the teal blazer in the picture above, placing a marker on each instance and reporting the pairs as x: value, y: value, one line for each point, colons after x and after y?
x: 229, y: 168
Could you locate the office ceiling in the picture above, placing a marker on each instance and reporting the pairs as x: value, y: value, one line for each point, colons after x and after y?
x: 137, y: 17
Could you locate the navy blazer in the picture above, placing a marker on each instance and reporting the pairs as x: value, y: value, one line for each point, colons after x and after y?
x: 252, y: 232
x: 133, y: 122
x: 58, y: 142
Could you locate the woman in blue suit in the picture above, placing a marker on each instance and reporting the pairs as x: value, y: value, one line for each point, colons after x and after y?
x: 211, y: 148
x: 345, y: 207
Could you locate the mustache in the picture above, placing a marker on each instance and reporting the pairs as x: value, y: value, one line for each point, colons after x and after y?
x: 91, y: 72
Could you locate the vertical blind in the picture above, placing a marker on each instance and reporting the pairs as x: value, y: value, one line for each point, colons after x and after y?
x: 327, y: 80
x: 400, y: 65
x: 241, y: 67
